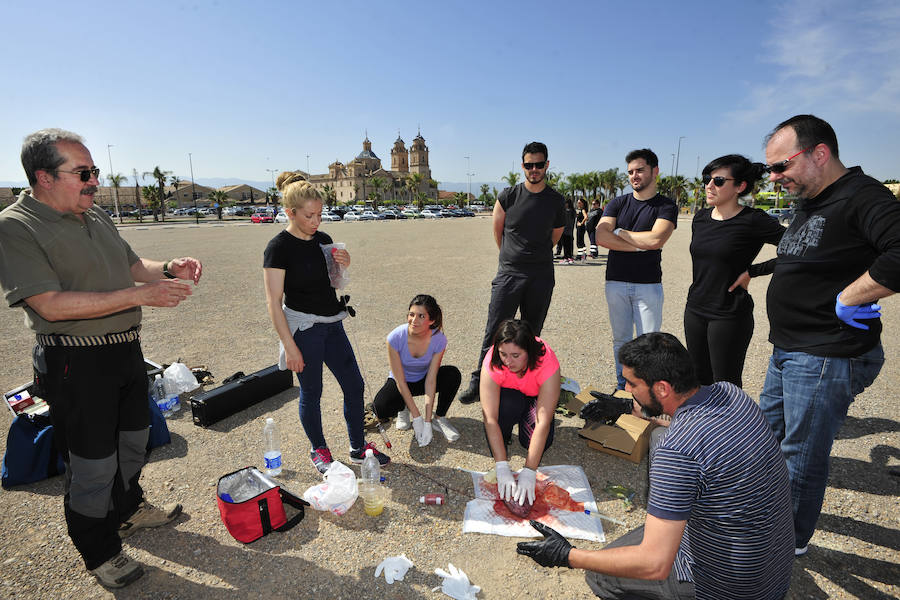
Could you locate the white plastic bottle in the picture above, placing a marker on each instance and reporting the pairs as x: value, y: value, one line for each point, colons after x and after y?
x: 159, y: 396
x: 173, y: 402
x: 271, y: 448
x: 370, y: 489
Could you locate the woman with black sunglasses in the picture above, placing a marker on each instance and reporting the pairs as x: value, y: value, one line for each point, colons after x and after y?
x: 726, y: 237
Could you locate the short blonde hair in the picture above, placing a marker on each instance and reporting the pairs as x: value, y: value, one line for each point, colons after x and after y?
x: 296, y: 190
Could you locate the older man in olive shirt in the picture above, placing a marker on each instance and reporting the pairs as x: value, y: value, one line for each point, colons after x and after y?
x: 62, y: 260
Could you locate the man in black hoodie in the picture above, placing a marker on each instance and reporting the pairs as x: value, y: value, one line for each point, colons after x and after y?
x: 840, y: 255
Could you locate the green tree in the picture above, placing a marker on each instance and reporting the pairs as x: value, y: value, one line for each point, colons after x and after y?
x: 137, y: 194
x: 151, y: 197
x: 221, y: 199
x: 330, y: 195
x: 512, y: 178
x: 485, y: 191
x: 116, y: 181
x: 420, y: 199
x: 413, y: 181
x: 553, y: 178
x: 176, y: 182
x: 160, y: 176
x: 378, y: 183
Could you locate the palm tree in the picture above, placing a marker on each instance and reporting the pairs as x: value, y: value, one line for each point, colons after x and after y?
x: 176, y: 181
x: 420, y: 199
x: 377, y: 183
x: 137, y: 194
x: 330, y: 195
x: 160, y: 176
x: 219, y: 198
x: 553, y: 178
x: 116, y: 180
x: 572, y: 184
x: 151, y: 198
x: 485, y: 189
x: 413, y: 181
x: 512, y: 178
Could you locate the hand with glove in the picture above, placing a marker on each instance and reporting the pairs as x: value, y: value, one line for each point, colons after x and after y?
x: 525, y: 486
x: 423, y: 430
x: 849, y: 313
x: 394, y: 567
x: 456, y: 584
x: 552, y: 551
x: 506, y: 483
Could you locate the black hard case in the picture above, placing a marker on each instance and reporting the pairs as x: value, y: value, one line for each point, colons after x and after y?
x: 214, y: 405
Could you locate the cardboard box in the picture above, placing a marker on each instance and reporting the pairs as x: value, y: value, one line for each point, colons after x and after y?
x: 629, y: 438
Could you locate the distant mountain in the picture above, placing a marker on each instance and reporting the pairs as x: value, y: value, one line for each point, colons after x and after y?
x: 213, y: 182
x: 22, y: 183
x: 452, y: 186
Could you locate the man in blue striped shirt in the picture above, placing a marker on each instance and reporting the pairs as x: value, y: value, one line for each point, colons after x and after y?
x: 719, y: 519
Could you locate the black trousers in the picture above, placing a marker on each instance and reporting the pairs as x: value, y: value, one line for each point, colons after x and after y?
x: 567, y: 241
x: 388, y: 401
x: 98, y: 406
x: 511, y: 292
x: 718, y: 347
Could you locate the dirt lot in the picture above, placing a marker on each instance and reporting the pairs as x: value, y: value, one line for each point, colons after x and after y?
x: 224, y: 326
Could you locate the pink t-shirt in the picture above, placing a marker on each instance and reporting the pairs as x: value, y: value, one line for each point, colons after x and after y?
x: 530, y: 383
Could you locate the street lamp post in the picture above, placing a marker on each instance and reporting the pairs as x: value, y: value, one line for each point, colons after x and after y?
x: 307, y: 165
x: 115, y: 186
x: 193, y: 193
x: 469, y: 175
x: 677, y: 158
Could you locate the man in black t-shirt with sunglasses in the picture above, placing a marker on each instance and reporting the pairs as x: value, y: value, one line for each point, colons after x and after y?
x: 528, y: 221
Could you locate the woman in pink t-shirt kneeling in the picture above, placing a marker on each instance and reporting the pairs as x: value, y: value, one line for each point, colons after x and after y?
x: 519, y: 384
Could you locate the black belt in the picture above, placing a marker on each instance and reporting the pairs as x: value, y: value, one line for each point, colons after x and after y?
x: 123, y: 337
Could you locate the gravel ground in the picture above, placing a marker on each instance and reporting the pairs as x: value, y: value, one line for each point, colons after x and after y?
x: 224, y: 326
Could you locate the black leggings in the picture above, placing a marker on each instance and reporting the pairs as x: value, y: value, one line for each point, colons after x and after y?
x: 718, y: 347
x: 388, y: 401
x: 567, y: 241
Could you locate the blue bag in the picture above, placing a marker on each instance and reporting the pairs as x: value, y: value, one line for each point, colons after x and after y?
x: 30, y: 454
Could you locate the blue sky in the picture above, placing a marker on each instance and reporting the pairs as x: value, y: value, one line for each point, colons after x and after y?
x: 247, y: 87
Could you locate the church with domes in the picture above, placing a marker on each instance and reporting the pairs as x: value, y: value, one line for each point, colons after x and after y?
x: 364, y: 177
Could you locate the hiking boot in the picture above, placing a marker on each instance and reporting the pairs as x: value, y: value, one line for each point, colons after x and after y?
x: 118, y: 571
x: 321, y: 459
x: 471, y: 394
x: 357, y: 456
x: 403, y: 420
x: 147, y: 516
x: 443, y: 425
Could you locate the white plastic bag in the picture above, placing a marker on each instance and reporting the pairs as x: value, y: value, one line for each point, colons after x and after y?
x: 337, y: 493
x: 179, y: 379
x: 337, y: 273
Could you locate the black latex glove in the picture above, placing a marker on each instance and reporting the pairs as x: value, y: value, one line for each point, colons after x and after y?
x: 606, y: 408
x: 552, y: 551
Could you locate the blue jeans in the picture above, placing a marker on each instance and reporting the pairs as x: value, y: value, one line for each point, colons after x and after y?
x: 327, y: 343
x: 634, y: 309
x: 805, y: 399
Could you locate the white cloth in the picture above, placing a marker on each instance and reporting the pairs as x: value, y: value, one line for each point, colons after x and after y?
x: 300, y: 321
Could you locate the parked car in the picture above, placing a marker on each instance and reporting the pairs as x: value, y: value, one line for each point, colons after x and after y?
x: 368, y: 215
x: 352, y: 215
x: 329, y: 216
x: 388, y: 214
x: 785, y: 218
x: 410, y: 213
x: 262, y: 218
x: 465, y: 212
x: 447, y: 213
x: 775, y: 212
x: 430, y: 214
x: 281, y: 217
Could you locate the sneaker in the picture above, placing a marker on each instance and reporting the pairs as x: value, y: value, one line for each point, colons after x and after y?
x: 357, y: 456
x: 147, y: 516
x: 403, y: 420
x: 118, y: 571
x: 471, y: 394
x: 801, y: 551
x: 570, y: 261
x: 443, y: 425
x: 321, y: 459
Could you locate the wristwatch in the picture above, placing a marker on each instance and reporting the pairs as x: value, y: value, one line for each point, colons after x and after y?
x: 166, y: 271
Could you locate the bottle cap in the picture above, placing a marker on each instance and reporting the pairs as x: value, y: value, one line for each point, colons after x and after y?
x: 369, y: 453
x: 422, y: 499
x: 270, y: 420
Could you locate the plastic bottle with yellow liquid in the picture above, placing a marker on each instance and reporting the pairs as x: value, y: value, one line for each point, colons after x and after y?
x: 370, y: 488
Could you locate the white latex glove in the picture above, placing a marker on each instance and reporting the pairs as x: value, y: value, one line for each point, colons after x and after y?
x: 525, y: 486
x: 419, y: 427
x: 394, y: 567
x: 427, y: 434
x: 506, y: 483
x: 456, y: 584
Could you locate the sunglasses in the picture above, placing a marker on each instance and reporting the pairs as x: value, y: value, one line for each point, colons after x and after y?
x: 85, y: 174
x: 781, y: 166
x: 534, y: 165
x: 719, y: 181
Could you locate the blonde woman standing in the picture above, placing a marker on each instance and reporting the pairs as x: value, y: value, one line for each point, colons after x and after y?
x: 307, y: 315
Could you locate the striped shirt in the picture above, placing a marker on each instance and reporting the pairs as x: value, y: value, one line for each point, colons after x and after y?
x: 720, y: 469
